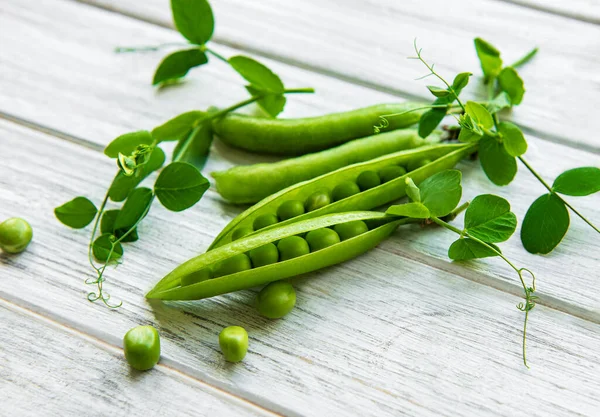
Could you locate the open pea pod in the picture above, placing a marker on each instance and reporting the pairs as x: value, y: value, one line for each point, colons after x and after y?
x: 380, y: 226
x: 442, y: 157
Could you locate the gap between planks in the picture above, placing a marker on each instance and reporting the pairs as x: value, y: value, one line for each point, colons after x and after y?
x: 396, y: 92
x: 164, y: 365
x: 545, y: 8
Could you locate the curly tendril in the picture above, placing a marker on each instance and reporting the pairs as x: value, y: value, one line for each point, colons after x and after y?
x: 383, y: 124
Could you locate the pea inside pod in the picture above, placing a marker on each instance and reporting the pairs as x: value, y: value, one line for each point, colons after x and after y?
x: 310, y: 134
x: 325, y: 249
x: 373, y: 193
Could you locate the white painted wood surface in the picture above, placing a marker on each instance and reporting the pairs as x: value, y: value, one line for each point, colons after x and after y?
x: 585, y: 10
x: 399, y: 331
x: 53, y: 370
x: 367, y: 42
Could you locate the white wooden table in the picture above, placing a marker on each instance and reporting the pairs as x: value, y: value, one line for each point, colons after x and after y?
x: 399, y: 331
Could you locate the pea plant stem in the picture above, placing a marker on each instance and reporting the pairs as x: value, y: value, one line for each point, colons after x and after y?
x: 545, y: 184
x: 214, y: 53
x: 525, y: 59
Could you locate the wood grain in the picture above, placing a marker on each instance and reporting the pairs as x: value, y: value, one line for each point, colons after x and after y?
x: 585, y: 10
x: 367, y: 42
x: 380, y: 335
x: 52, y: 368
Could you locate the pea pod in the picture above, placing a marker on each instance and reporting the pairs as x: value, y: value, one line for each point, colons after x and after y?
x: 170, y: 288
x: 252, y: 183
x: 309, y: 134
x: 442, y: 157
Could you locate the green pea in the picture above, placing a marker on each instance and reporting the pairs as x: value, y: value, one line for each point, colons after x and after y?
x: 276, y: 300
x: 15, y: 235
x: 344, y: 189
x: 321, y: 239
x: 367, y: 180
x: 289, y: 209
x: 264, y: 220
x: 237, y: 263
x: 241, y: 232
x: 233, y: 341
x: 391, y: 172
x: 291, y: 247
x: 196, y: 277
x: 317, y: 200
x: 351, y: 229
x: 416, y: 164
x: 264, y: 255
x: 142, y: 347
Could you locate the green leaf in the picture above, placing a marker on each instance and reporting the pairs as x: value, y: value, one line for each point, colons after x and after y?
x: 497, y: 164
x: 101, y: 248
x: 77, y: 213
x: 512, y: 84
x: 107, y: 225
x: 441, y: 192
x: 438, y: 92
x: 135, y: 208
x: 412, y: 191
x: 489, y: 57
x: 465, y: 249
x: 127, y: 143
x: 179, y: 186
x: 413, y: 210
x: 197, y: 150
x: 178, y: 127
x: 470, y: 131
x: 461, y: 81
x: 193, y: 19
x: 430, y: 120
x: 479, y: 114
x: 122, y: 184
x: 578, y: 182
x: 272, y: 104
x: 489, y: 218
x: 258, y: 75
x: 177, y: 65
x: 545, y: 224
x: 512, y: 138
x: 501, y: 101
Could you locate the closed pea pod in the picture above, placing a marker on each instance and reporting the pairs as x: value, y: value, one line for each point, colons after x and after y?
x: 310, y: 134
x: 170, y: 288
x: 442, y: 156
x: 251, y: 183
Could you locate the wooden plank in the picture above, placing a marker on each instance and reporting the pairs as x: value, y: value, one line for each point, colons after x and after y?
x: 113, y: 105
x: 585, y: 10
x: 368, y: 46
x: 52, y: 368
x: 380, y: 335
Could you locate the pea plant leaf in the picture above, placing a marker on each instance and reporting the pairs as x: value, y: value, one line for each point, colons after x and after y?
x: 470, y: 131
x: 441, y: 192
x: 465, y: 249
x: 177, y: 65
x: 497, y: 164
x: 512, y: 138
x: 177, y: 127
x: 101, y: 248
x: 437, y: 91
x: 430, y: 120
x: 488, y: 218
x: 489, y: 57
x: 500, y: 102
x: 413, y: 210
x: 578, y: 182
x: 195, y: 148
x: 545, y: 224
x: 123, y: 184
x: 179, y: 186
x: 76, y: 213
x: 127, y: 143
x: 412, y: 191
x: 135, y: 208
x: 479, y: 114
x: 107, y: 225
x: 512, y: 84
x: 273, y: 104
x: 460, y: 81
x: 194, y: 20
x: 258, y: 75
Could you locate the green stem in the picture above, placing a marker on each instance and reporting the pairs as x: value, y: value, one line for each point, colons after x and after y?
x: 123, y: 49
x: 454, y: 213
x: 525, y: 59
x: 214, y: 53
x: 545, y: 184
